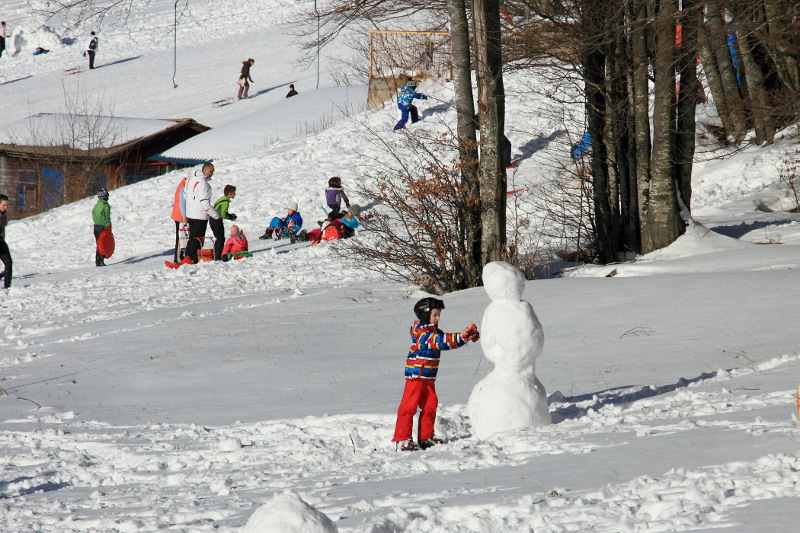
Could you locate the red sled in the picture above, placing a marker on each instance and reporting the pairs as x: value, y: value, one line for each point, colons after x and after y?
x: 105, y: 243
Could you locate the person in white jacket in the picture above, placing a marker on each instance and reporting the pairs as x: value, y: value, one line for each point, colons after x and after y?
x: 198, y: 210
x: 91, y: 49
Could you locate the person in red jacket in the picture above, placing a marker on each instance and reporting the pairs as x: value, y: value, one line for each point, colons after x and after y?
x: 422, y: 365
x: 236, y: 243
x: 179, y: 215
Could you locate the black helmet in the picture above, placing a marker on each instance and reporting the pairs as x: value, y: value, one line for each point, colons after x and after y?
x: 423, y: 308
x: 102, y: 193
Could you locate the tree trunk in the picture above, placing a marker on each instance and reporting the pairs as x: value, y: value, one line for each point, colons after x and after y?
x: 491, y: 107
x: 760, y: 108
x: 664, y: 222
x: 641, y: 113
x: 687, y: 101
x: 467, y: 139
x: 712, y: 71
x: 718, y: 33
x: 593, y: 62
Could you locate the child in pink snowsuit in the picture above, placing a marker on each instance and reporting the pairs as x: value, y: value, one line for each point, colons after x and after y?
x: 422, y: 366
x: 237, y: 242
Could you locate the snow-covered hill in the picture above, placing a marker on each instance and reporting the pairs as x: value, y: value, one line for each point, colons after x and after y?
x: 138, y: 398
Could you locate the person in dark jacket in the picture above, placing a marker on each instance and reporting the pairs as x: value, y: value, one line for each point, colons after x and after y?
x: 91, y: 49
x: 245, y: 78
x: 291, y: 92
x: 101, y: 215
x: 5, y: 253
x: 3, y: 35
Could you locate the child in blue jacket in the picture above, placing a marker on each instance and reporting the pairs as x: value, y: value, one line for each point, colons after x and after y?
x: 422, y: 365
x: 292, y: 222
x: 404, y: 102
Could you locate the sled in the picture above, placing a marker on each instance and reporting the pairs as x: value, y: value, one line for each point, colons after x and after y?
x: 105, y: 243
x: 73, y: 70
x: 223, y: 102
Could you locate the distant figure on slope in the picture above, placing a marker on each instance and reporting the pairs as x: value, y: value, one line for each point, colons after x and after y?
x: 39, y: 51
x: 101, y: 215
x: 422, y: 365
x: 235, y: 245
x: 3, y: 35
x: 244, y: 78
x: 291, y: 92
x: 91, y: 49
x: 198, y: 210
x: 5, y: 253
x: 334, y: 195
x: 404, y: 102
x: 179, y: 215
x: 217, y: 228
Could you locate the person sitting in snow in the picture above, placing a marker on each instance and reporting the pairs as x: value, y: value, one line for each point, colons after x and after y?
x: 422, y: 365
x: 292, y: 91
x: 236, y: 246
x: 404, y: 102
x: 341, y: 228
x: 292, y: 222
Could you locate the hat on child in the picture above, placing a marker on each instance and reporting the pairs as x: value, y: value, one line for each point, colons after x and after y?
x: 102, y: 193
x: 292, y: 206
x: 354, y: 210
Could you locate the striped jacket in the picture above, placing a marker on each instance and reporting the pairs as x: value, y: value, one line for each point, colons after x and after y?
x: 427, y: 343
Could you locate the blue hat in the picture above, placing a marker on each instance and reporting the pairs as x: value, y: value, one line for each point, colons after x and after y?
x: 352, y: 223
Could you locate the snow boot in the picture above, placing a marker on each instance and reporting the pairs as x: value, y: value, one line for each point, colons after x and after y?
x: 408, y: 446
x: 429, y: 443
x: 267, y: 234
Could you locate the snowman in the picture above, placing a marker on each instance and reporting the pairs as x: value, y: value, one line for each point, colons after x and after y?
x: 510, y: 396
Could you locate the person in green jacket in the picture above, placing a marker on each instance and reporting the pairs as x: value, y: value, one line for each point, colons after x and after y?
x: 217, y: 227
x: 101, y: 214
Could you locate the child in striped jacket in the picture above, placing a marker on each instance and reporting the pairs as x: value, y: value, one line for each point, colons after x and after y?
x: 422, y: 365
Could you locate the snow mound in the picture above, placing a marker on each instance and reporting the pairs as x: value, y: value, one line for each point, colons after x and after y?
x: 288, y: 513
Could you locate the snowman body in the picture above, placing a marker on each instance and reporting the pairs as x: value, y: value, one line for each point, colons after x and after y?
x: 510, y: 396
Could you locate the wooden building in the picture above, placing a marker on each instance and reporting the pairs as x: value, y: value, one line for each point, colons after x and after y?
x: 51, y: 159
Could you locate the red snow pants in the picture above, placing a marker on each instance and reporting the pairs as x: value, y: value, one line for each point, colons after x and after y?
x: 418, y: 393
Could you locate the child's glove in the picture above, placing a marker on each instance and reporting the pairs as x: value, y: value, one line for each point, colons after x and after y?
x: 472, y: 333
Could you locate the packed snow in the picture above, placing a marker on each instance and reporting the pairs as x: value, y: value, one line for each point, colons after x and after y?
x: 244, y: 395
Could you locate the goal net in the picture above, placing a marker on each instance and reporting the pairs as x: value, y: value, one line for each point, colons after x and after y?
x: 418, y: 53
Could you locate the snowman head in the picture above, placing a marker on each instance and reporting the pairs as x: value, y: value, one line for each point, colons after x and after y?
x: 503, y: 281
